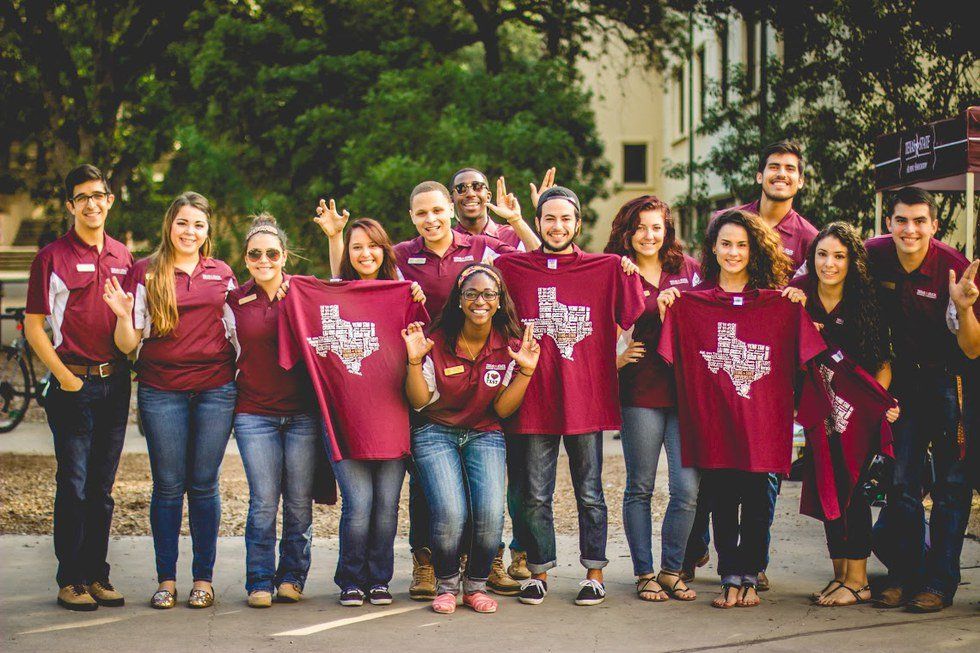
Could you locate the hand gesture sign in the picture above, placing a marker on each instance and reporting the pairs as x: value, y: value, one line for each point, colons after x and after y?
x: 329, y: 219
x: 964, y: 292
x: 507, y: 206
x: 120, y: 301
x: 527, y: 356
x: 416, y: 344
x: 546, y: 183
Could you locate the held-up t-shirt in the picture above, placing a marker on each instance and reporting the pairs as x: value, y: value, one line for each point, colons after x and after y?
x: 649, y: 382
x: 575, y: 301
x: 349, y: 335
x: 735, y: 358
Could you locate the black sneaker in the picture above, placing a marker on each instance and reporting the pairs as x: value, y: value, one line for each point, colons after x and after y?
x: 379, y: 595
x: 592, y: 593
x: 352, y: 597
x: 533, y: 591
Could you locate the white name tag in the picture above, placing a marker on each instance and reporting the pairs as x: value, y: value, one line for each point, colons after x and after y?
x: 418, y: 260
x: 85, y: 267
x: 925, y: 293
x: 738, y: 301
x: 552, y: 264
x: 119, y: 270
x: 838, y: 356
x: 211, y: 277
x: 462, y: 259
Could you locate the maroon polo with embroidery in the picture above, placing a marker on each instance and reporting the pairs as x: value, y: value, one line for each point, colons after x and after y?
x: 795, y: 232
x: 915, y: 303
x: 502, y: 232
x: 66, y: 284
x: 264, y: 388
x: 197, y: 355
x: 464, y: 389
x: 436, y: 275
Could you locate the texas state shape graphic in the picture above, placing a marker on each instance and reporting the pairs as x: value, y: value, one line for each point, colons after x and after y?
x: 352, y: 342
x: 744, y: 362
x: 567, y: 325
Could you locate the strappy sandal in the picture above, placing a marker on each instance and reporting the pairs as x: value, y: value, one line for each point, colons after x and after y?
x: 672, y: 591
x: 857, y: 597
x: 740, y: 602
x: 725, y: 589
x: 642, y: 587
x: 816, y: 596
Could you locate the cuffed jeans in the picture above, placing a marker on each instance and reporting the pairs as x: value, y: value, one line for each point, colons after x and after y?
x: 645, y: 432
x: 463, y: 475
x: 186, y: 436
x: 279, y: 456
x: 369, y: 492
x: 89, y: 428
x: 585, y: 465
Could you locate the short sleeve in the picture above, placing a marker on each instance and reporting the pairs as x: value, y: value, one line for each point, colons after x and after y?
x: 39, y: 285
x: 509, y: 374
x: 231, y: 328
x: 630, y: 301
x: 666, y: 345
x: 289, y: 354
x: 495, y: 247
x: 810, y: 341
x: 429, y: 374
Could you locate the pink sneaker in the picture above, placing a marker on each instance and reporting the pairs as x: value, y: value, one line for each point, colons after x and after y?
x: 444, y: 603
x: 480, y: 602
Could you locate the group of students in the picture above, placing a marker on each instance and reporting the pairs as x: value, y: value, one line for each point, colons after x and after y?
x: 468, y: 355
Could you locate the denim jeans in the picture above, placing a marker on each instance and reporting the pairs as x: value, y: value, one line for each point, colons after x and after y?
x: 585, y: 465
x: 740, y: 515
x: 89, y: 427
x: 645, y: 432
x: 463, y: 475
x: 930, y: 413
x: 279, y: 456
x: 369, y: 492
x: 186, y: 436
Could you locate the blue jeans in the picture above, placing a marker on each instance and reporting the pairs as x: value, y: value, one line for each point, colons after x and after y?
x: 585, y: 465
x: 930, y: 413
x: 279, y: 456
x: 369, y: 492
x: 463, y: 475
x: 645, y: 432
x: 186, y: 436
x: 89, y: 427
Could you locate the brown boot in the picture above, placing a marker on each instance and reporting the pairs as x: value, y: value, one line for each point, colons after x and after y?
x: 289, y: 593
x: 499, y: 582
x: 926, y: 602
x: 76, y: 597
x: 518, y: 565
x: 105, y: 594
x: 423, y: 587
x: 891, y: 597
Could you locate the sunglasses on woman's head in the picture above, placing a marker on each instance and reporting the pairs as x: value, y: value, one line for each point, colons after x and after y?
x: 477, y: 186
x: 255, y: 255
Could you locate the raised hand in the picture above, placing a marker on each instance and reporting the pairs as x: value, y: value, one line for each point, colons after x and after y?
x: 120, y: 301
x: 527, y: 356
x: 634, y: 352
x: 666, y: 299
x: 546, y: 183
x: 795, y: 295
x: 416, y: 344
x: 330, y: 220
x: 507, y: 206
x: 963, y: 293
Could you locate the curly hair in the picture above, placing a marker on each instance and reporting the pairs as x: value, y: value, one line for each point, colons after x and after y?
x: 627, y: 221
x: 769, y: 267
x: 451, y: 319
x: 862, y: 311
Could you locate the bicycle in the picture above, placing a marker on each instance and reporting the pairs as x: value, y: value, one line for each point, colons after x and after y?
x: 18, y: 381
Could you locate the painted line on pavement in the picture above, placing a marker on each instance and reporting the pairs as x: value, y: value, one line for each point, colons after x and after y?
x: 85, y: 624
x: 340, y: 623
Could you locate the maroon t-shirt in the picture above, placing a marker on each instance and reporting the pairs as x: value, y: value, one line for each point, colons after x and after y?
x: 437, y: 275
x: 915, y: 303
x: 264, y: 388
x: 795, y: 232
x: 502, y: 232
x: 464, y: 389
x: 197, y: 355
x: 66, y: 284
x: 649, y: 382
x: 575, y: 300
x: 735, y: 358
x: 349, y: 335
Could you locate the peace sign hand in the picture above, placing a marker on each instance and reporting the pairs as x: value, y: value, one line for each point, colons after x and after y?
x: 527, y: 356
x: 329, y: 219
x: 416, y: 344
x: 507, y: 206
x: 546, y: 183
x: 963, y: 293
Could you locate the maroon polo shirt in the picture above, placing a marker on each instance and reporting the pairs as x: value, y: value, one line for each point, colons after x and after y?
x: 795, y: 232
x: 437, y: 275
x: 197, y: 355
x: 502, y: 232
x: 66, y: 284
x: 915, y: 303
x: 463, y: 389
x: 264, y: 388
x: 649, y: 382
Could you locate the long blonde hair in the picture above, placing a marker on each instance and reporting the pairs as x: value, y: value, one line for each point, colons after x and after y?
x: 161, y: 293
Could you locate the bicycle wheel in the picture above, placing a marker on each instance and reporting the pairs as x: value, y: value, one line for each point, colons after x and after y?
x: 15, y: 393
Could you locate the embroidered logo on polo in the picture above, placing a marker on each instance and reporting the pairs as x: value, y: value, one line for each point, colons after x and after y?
x: 744, y: 362
x: 211, y: 277
x: 841, y: 410
x: 567, y: 325
x: 925, y: 293
x: 352, y: 342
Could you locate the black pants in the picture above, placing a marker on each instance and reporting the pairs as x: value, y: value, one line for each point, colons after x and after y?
x: 89, y: 427
x: 740, y: 515
x: 848, y: 536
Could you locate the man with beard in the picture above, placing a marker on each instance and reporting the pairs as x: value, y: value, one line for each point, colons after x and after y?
x: 472, y: 197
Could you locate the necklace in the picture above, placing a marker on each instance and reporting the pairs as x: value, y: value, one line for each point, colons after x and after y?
x: 467, y: 347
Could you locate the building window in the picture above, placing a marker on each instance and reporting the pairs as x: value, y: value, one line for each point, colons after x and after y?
x: 725, y: 63
x: 750, y: 46
x: 635, y: 163
x: 702, y: 84
x: 680, y: 104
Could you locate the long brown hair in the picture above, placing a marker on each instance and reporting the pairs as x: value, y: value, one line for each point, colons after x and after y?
x: 768, y: 268
x: 451, y: 320
x: 161, y: 294
x: 627, y: 221
x: 388, y: 270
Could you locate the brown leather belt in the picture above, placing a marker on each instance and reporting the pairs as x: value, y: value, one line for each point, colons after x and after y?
x: 102, y: 370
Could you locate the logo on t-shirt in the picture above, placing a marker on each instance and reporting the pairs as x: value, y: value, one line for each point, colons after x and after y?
x: 492, y: 378
x: 841, y: 409
x: 744, y: 362
x: 352, y: 342
x: 567, y: 325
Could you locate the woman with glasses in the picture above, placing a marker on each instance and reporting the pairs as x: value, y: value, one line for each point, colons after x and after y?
x: 277, y: 426
x: 471, y: 372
